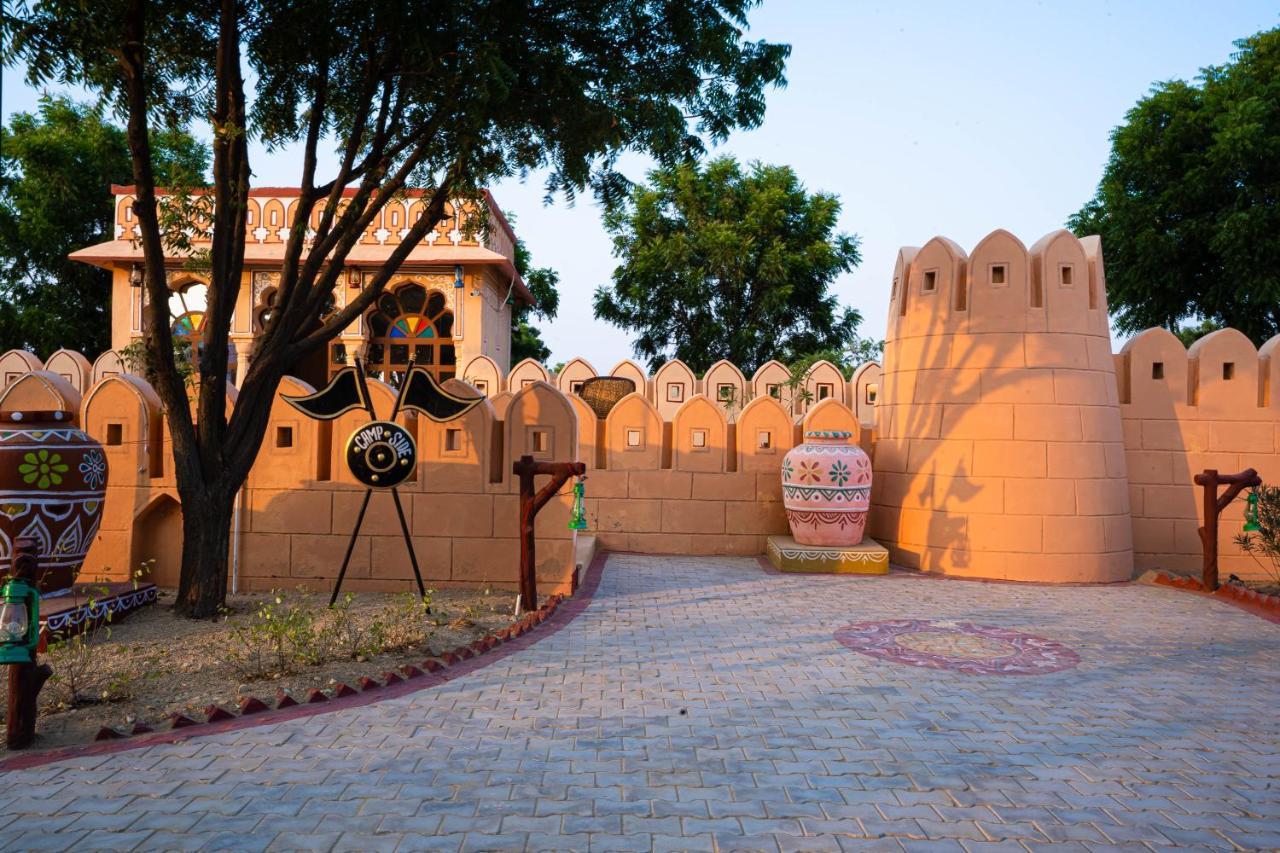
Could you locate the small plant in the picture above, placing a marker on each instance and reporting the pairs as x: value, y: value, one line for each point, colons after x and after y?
x: 1263, y: 544
x: 410, y: 622
x: 78, y: 669
x: 276, y: 638
x: 137, y: 359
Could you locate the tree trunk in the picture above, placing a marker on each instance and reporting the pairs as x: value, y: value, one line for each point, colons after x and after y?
x: 206, y: 548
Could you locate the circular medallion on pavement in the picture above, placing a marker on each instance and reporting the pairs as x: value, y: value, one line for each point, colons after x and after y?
x: 958, y: 647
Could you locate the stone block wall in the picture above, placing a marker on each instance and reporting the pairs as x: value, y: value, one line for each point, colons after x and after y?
x: 1214, y: 406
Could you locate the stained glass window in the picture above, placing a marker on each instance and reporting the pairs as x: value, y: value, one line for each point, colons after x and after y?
x: 410, y: 322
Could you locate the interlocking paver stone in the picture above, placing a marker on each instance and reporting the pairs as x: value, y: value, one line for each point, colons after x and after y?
x: 702, y: 702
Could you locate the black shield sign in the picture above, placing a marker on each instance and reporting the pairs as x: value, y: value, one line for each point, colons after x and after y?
x: 381, y: 454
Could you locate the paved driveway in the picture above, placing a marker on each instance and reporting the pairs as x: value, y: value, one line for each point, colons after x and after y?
x: 702, y: 702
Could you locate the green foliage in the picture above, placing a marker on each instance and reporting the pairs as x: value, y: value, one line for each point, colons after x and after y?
x: 1264, y: 543
x: 543, y: 283
x: 1188, y: 206
x: 721, y: 262
x: 58, y: 165
x: 1189, y: 334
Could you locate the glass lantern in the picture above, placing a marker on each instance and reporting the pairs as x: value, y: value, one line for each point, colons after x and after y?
x: 578, y: 520
x: 19, y: 621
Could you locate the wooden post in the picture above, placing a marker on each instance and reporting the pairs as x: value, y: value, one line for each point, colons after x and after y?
x: 26, y: 680
x: 1213, y: 506
x: 530, y: 503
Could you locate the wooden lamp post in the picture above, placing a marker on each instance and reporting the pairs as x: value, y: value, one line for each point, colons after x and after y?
x: 19, y: 639
x: 1213, y: 506
x: 526, y: 468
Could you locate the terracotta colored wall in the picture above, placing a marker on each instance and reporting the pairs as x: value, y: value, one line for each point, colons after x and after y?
x: 999, y: 447
x: 1215, y: 406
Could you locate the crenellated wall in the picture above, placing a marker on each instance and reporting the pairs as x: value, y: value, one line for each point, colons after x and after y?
x: 1214, y: 406
x: 1007, y: 440
x: 999, y: 448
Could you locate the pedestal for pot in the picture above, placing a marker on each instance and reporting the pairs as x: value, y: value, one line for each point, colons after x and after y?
x: 53, y: 481
x: 826, y: 490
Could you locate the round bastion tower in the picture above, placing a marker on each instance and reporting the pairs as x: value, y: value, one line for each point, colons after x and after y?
x: 999, y: 451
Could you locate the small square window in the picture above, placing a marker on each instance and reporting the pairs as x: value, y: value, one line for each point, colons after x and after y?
x: 1066, y: 275
x: 825, y: 390
x: 115, y: 435
x: 872, y: 390
x: 999, y: 276
x: 575, y: 388
x: 1228, y: 370
x: 698, y: 439
x: 726, y: 391
x: 930, y: 281
x: 540, y: 439
x: 675, y: 392
x: 275, y: 218
x: 1157, y: 370
x: 481, y: 385
x: 284, y: 436
x: 526, y: 383
x: 775, y: 391
x: 764, y: 439
x: 453, y: 441
x: 635, y: 438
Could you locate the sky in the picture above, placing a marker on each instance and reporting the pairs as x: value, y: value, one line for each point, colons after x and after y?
x: 925, y: 118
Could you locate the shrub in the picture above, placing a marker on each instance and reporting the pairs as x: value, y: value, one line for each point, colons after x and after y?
x: 1263, y: 544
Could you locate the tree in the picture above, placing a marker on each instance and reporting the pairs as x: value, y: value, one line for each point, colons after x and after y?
x: 58, y: 165
x: 444, y: 98
x: 526, y: 340
x: 718, y: 262
x: 1189, y: 204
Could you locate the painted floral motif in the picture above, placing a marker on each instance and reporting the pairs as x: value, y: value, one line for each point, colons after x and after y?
x: 787, y: 470
x: 839, y: 473
x: 808, y: 471
x: 94, y: 469
x: 958, y: 647
x: 43, y: 468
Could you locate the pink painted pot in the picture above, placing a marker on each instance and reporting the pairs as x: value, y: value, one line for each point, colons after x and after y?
x: 826, y: 489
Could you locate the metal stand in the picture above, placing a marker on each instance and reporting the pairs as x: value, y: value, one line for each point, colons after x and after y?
x: 351, y: 545
x: 1213, y: 505
x: 26, y: 680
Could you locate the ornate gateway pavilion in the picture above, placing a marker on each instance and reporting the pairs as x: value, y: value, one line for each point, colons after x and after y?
x: 449, y: 302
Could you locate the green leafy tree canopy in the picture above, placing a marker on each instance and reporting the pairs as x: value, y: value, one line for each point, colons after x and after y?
x: 1189, y: 204
x: 444, y: 98
x: 718, y: 262
x: 58, y: 164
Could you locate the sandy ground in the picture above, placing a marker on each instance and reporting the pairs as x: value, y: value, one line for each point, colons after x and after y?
x: 154, y: 663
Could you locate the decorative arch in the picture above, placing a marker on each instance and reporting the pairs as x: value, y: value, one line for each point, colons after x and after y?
x: 1060, y: 279
x: 765, y: 434
x: 724, y: 384
x: 483, y: 375
x: 590, y: 438
x: 699, y: 436
x: 628, y: 369
x: 273, y: 220
x: 864, y: 388
x: 1226, y: 372
x: 525, y: 374
x: 107, y: 364
x: 540, y: 423
x: 71, y: 366
x: 15, y: 363
x: 633, y: 435
x: 570, y: 378
x: 42, y: 391
x: 157, y: 539
x: 770, y: 380
x: 673, y: 384
x: 830, y: 415
x: 824, y: 381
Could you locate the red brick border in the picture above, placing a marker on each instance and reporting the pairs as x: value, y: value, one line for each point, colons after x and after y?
x: 555, y: 614
x: 1250, y: 600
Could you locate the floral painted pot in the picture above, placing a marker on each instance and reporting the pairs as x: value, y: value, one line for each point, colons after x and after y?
x: 53, y: 481
x: 826, y: 490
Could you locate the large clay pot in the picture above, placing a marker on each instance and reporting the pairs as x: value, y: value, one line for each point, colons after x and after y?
x: 53, y: 479
x: 826, y: 489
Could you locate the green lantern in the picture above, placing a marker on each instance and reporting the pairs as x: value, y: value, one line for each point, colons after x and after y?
x: 1251, y: 513
x: 19, y: 621
x: 578, y: 521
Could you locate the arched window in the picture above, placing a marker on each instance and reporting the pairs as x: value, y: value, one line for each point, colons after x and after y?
x: 411, y: 323
x: 186, y: 312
